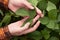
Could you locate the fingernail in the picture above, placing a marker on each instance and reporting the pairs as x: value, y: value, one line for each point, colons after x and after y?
x: 39, y: 21
x: 32, y: 7
x: 28, y: 23
x: 42, y: 15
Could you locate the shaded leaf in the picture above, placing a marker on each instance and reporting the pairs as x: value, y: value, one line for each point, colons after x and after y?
x: 52, y: 14
x: 53, y: 38
x: 42, y: 4
x: 44, y: 20
x: 45, y: 33
x: 35, y: 35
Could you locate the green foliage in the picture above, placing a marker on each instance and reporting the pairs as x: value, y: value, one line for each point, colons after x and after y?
x: 49, y: 28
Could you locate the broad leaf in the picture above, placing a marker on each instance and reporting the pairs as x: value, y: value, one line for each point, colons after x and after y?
x: 22, y: 12
x: 52, y: 14
x: 45, y: 33
x: 44, y: 20
x: 53, y: 38
x: 35, y: 35
x: 42, y: 4
x: 50, y: 6
x: 51, y: 24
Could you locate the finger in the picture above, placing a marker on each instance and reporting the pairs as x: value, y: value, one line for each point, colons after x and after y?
x: 39, y: 12
x: 20, y: 22
x: 26, y: 26
x: 35, y: 19
x: 31, y: 29
x: 28, y: 5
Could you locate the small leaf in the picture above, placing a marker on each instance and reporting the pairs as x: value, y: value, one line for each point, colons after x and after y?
x: 58, y: 18
x: 1, y: 12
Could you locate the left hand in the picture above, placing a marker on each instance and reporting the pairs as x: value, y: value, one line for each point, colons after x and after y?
x: 16, y: 28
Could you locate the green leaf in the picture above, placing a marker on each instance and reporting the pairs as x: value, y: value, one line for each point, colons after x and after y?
x: 50, y: 6
x: 51, y: 24
x: 33, y: 2
x: 35, y: 35
x: 45, y: 33
x: 22, y: 12
x: 55, y: 1
x: 44, y: 20
x: 58, y: 18
x: 42, y: 4
x: 1, y: 12
x: 53, y: 38
x: 32, y: 13
x: 56, y: 26
x: 15, y: 38
x: 0, y: 24
x: 6, y: 19
x: 52, y: 14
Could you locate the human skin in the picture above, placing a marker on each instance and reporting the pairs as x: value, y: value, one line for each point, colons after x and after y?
x: 16, y: 28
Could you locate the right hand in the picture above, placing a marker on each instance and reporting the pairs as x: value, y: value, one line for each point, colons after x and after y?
x: 14, y: 5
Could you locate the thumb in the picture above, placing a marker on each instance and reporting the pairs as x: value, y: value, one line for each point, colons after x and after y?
x: 28, y: 5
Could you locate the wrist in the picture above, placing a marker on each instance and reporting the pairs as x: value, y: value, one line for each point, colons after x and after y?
x: 4, y: 4
x: 6, y: 32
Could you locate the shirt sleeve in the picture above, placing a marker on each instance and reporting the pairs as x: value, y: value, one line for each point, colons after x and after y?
x: 4, y: 34
x: 4, y: 4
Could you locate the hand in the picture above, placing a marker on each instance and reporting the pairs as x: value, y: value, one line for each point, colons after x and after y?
x: 16, y: 28
x: 14, y: 5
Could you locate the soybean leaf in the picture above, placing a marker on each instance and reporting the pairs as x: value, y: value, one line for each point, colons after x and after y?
x: 35, y: 35
x: 51, y: 24
x: 52, y: 14
x: 33, y: 2
x: 50, y: 6
x: 1, y: 12
x: 59, y: 18
x: 56, y: 26
x: 42, y: 4
x: 55, y: 1
x: 45, y: 33
x: 53, y: 38
x: 22, y: 12
x: 44, y: 20
x: 6, y: 19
